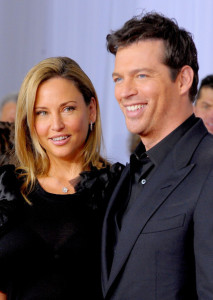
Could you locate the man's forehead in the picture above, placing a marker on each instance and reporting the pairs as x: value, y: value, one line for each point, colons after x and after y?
x: 206, y: 92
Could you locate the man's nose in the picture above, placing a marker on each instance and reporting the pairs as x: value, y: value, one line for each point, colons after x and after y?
x: 127, y: 89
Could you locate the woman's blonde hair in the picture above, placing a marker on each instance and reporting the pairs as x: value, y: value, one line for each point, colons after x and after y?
x: 32, y: 158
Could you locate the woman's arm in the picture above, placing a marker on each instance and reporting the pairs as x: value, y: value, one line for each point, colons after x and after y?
x: 3, y: 296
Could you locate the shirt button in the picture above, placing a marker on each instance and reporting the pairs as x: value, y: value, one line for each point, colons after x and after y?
x: 143, y: 181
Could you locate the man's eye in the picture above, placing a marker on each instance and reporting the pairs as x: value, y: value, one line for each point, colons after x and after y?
x: 206, y: 106
x: 117, y: 79
x: 141, y: 75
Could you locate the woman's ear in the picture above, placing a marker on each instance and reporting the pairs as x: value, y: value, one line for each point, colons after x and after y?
x: 92, y: 110
x: 186, y: 76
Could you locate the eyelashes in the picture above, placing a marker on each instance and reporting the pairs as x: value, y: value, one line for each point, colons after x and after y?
x: 45, y: 112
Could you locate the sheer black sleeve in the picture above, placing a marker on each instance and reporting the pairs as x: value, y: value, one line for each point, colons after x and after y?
x: 10, y: 197
x: 98, y: 185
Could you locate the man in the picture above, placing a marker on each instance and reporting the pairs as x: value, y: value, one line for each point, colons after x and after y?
x: 203, y: 107
x: 158, y: 229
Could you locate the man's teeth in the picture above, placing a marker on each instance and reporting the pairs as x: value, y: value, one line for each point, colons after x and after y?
x: 135, y: 107
x: 59, y: 138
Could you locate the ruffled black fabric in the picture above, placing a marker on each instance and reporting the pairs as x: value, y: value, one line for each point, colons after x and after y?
x: 11, y: 199
x: 98, y: 185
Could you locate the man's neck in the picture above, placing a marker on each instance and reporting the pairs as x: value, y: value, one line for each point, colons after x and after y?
x: 150, y: 141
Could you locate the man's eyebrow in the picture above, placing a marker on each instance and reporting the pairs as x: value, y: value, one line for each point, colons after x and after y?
x: 206, y: 101
x: 115, y: 74
x: 135, y: 71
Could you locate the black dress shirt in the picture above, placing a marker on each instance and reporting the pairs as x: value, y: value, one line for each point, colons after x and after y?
x: 144, y: 163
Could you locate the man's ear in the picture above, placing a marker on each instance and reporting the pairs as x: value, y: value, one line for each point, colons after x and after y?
x: 93, y: 110
x: 185, y: 76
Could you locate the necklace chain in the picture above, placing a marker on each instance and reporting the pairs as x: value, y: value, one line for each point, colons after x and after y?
x: 71, y: 182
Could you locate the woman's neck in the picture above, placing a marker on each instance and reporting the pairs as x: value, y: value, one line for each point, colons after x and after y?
x: 65, y: 169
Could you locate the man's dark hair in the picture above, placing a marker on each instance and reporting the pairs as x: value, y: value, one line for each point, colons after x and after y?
x: 180, y: 49
x: 206, y: 82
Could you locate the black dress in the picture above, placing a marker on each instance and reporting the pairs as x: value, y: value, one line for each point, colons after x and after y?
x: 51, y: 248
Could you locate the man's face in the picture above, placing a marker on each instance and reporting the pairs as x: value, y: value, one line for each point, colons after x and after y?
x: 144, y: 90
x: 204, y: 107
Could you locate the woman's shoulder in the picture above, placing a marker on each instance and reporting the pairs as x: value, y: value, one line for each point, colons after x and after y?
x: 8, y: 180
x: 7, y: 168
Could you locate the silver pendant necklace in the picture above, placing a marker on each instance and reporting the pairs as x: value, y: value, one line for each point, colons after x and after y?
x: 72, y: 182
x: 65, y: 190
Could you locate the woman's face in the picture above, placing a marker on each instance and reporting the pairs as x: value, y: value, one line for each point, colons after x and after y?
x: 62, y: 118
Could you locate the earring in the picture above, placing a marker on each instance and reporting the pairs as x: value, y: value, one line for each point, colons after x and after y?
x: 91, y: 126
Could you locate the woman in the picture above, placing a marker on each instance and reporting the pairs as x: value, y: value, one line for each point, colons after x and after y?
x: 51, y: 219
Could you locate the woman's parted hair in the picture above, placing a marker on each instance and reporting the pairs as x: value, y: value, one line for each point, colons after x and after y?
x: 32, y: 158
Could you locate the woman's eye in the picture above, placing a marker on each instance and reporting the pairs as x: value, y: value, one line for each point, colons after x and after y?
x: 69, y: 108
x: 41, y: 113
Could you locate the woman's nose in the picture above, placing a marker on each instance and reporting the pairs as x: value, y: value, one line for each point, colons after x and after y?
x: 57, y: 123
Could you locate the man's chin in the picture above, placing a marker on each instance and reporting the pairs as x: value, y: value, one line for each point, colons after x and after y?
x: 209, y: 128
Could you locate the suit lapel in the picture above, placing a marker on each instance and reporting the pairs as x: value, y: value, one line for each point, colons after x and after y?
x: 142, y: 210
x: 168, y: 175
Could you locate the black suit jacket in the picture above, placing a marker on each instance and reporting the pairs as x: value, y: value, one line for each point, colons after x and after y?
x: 165, y: 246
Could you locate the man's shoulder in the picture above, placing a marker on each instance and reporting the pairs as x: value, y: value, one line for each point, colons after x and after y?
x: 197, y: 140
x: 203, y: 154
x: 206, y: 145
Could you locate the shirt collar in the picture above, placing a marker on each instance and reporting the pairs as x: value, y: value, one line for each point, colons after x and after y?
x: 159, y: 151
